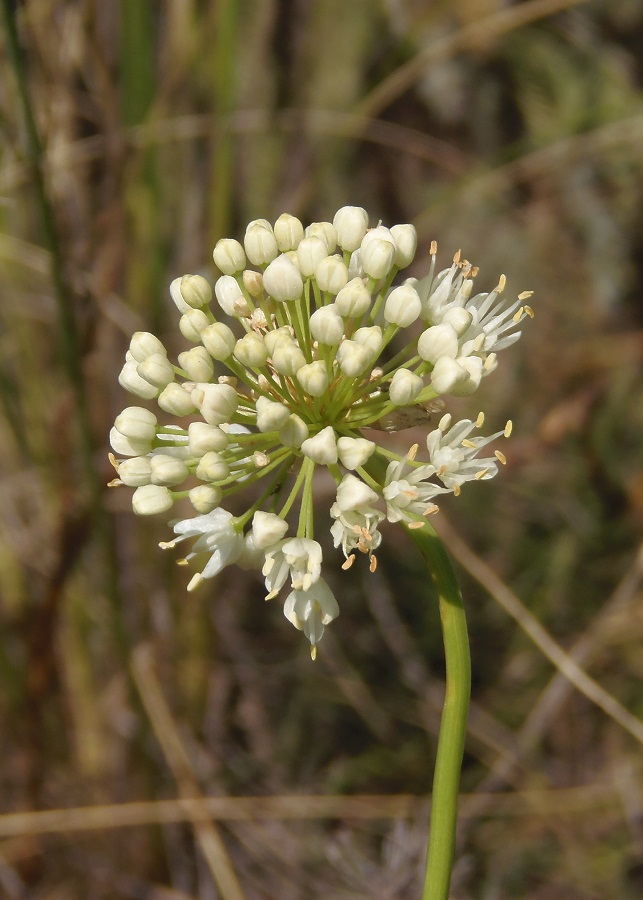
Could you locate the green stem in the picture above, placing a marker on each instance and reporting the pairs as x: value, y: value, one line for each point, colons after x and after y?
x: 453, y: 727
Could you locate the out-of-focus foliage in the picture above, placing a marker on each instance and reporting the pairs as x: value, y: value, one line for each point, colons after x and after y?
x: 513, y: 132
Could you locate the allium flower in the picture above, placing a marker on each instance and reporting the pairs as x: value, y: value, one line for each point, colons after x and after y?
x: 291, y: 369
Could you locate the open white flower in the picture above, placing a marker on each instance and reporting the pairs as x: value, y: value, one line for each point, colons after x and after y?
x: 216, y: 536
x: 311, y: 610
x: 356, y: 517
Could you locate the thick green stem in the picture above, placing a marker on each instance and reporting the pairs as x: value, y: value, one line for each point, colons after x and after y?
x: 446, y: 778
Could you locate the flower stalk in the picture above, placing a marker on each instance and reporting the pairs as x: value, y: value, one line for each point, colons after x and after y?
x: 453, y: 724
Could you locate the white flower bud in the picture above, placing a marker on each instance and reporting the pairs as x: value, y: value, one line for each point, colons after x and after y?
x: 136, y: 471
x: 294, y: 432
x: 229, y: 256
x: 150, y: 499
x: 272, y: 338
x: 136, y: 423
x: 251, y: 351
x: 322, y: 448
x: 271, y: 415
x: 157, y: 369
x: 195, y: 290
x: 167, y: 469
x: 203, y: 438
x: 380, y: 233
x: 353, y: 358
x: 353, y: 300
x: 473, y: 367
x: 144, y: 344
x: 289, y: 232
x: 331, y: 274
x: 447, y: 374
x: 267, y: 529
x: 310, y: 253
x: 132, y: 381
x: 282, y: 279
x: 205, y: 497
x: 351, y: 224
x: 219, y: 340
x: 125, y: 446
x: 314, y: 378
x: 353, y: 494
x: 260, y: 242
x: 192, y: 323
x: 326, y: 326
x: 216, y: 402
x: 197, y: 364
x: 174, y: 399
x: 253, y: 283
x: 212, y: 467
x: 459, y: 319
x: 229, y: 295
x: 370, y: 337
x: 287, y: 358
x: 406, y: 242
x: 438, y: 341
x: 378, y: 258
x: 326, y: 231
x: 405, y: 387
x: 353, y: 452
x: 403, y: 306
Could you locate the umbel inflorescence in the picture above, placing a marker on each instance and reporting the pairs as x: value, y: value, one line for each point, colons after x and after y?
x: 308, y: 358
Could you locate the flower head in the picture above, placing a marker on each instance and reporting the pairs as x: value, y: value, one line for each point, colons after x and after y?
x: 291, y: 370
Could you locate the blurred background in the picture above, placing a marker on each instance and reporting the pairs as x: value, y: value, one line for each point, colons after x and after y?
x: 513, y: 131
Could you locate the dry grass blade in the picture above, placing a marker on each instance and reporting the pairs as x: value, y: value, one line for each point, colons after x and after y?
x: 564, y: 662
x: 361, y: 807
x: 179, y: 762
x: 480, y: 32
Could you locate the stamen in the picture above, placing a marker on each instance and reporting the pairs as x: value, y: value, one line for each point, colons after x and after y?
x: 412, y: 452
x: 524, y: 295
x: 529, y: 312
x: 195, y: 581
x: 456, y: 257
x: 372, y: 565
x: 502, y: 282
x: 466, y: 442
x: 349, y: 562
x: 517, y: 316
x: 501, y: 457
x: 113, y: 460
x: 313, y: 652
x: 415, y: 525
x: 433, y: 249
x: 481, y: 474
x: 114, y: 482
x: 480, y: 420
x: 508, y: 428
x: 457, y: 490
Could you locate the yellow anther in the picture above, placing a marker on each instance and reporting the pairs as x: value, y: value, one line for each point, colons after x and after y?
x: 349, y: 562
x: 500, y: 456
x: 508, y: 428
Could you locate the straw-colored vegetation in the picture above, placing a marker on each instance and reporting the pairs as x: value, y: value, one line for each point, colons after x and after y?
x: 511, y: 131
